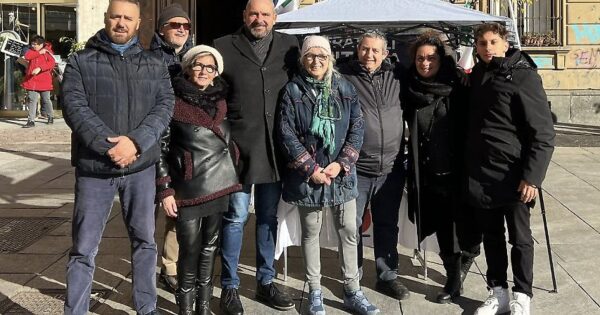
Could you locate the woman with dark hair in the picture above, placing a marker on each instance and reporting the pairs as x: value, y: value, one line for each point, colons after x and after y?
x: 38, y: 78
x: 435, y: 108
x: 196, y: 173
x: 321, y: 131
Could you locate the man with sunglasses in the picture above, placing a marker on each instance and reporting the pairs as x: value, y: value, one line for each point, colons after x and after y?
x: 380, y: 164
x: 171, y: 41
x: 260, y: 62
x: 172, y: 37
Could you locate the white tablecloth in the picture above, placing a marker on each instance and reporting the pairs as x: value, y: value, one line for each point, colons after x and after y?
x: 289, y: 231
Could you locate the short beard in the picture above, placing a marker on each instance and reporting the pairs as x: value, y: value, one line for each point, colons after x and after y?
x: 258, y: 34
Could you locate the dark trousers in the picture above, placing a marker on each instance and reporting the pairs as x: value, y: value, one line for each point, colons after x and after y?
x: 384, y: 194
x: 94, y: 197
x: 491, y: 222
x: 198, y: 244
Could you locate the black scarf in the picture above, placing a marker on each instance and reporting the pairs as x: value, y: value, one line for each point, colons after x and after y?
x: 423, y: 93
x: 205, y: 99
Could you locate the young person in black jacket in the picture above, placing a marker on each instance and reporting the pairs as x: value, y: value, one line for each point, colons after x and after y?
x: 435, y: 103
x: 509, y: 145
x: 196, y: 173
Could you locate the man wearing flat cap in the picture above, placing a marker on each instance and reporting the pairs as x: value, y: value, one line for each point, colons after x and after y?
x: 171, y: 41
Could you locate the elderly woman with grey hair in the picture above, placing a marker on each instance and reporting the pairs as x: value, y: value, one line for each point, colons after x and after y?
x: 197, y: 172
x: 320, y: 130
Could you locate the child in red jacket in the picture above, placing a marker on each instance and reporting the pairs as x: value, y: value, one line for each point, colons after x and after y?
x: 38, y: 78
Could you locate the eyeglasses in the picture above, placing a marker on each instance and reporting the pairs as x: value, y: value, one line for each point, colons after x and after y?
x: 312, y: 57
x: 177, y: 25
x: 200, y: 67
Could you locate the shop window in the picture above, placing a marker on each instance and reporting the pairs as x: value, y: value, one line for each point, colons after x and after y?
x: 538, y: 21
x: 60, y: 21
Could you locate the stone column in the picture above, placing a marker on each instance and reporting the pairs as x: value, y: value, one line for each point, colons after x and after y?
x: 90, y: 18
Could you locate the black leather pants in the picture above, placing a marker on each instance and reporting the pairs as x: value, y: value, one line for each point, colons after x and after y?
x: 198, y: 243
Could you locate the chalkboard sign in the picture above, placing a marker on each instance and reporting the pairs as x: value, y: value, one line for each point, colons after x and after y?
x: 13, y: 47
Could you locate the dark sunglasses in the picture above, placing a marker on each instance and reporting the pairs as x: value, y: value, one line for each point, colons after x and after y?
x: 177, y: 25
x: 199, y: 67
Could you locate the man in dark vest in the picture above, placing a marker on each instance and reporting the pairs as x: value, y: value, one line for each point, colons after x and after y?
x: 260, y: 62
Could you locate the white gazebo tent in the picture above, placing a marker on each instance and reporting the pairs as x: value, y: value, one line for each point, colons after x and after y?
x: 388, y: 14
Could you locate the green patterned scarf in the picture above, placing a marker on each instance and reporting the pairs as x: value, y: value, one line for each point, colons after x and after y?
x: 324, y: 112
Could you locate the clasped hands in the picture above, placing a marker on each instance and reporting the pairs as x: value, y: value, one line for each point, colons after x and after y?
x: 327, y: 174
x: 124, y: 153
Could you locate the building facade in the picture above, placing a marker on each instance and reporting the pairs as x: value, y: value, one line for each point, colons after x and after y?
x: 563, y: 37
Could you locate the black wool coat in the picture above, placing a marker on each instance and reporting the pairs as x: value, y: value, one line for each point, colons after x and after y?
x: 511, y: 135
x: 254, y: 91
x: 436, y: 115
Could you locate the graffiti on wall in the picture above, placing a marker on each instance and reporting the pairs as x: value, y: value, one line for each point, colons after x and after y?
x: 583, y: 34
x: 587, y: 58
x: 571, y: 79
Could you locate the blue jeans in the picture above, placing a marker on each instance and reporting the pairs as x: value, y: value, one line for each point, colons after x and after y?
x: 94, y: 198
x: 383, y: 194
x: 266, y: 198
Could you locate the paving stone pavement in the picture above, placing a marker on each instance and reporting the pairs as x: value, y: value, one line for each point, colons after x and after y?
x: 36, y: 199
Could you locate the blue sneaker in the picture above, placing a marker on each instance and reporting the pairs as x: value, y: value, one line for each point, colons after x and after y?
x: 315, y: 303
x: 357, y: 302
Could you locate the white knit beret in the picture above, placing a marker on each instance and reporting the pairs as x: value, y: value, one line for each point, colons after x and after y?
x: 191, y: 55
x: 316, y: 41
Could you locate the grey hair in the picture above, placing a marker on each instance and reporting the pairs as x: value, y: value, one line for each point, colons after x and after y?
x: 377, y: 34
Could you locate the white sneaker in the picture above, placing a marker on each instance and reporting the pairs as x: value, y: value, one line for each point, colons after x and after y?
x: 496, y: 303
x: 520, y: 304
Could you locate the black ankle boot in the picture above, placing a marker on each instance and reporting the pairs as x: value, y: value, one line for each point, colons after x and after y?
x: 453, y: 286
x: 203, y: 296
x: 185, y: 301
x: 465, y: 265
x: 50, y: 120
x: 29, y: 124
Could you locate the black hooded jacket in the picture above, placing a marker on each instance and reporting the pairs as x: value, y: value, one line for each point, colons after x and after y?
x: 379, y: 96
x: 107, y: 94
x: 168, y: 54
x: 511, y: 136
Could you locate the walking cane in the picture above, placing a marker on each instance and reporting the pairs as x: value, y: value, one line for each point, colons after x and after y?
x: 543, y: 206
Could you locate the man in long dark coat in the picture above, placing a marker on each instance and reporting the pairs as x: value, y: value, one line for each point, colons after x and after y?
x: 259, y: 62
